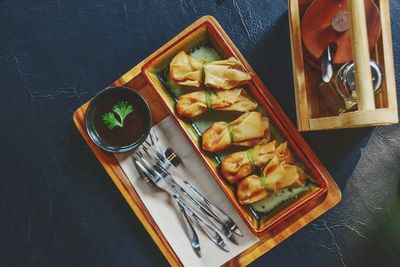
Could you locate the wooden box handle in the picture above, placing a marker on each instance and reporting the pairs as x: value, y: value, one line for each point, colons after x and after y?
x: 361, y: 56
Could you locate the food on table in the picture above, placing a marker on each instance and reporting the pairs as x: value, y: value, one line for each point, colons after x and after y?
x: 265, y: 175
x: 249, y: 129
x: 276, y: 175
x: 196, y: 103
x: 251, y: 190
x: 279, y: 175
x: 186, y: 70
x: 221, y: 74
x: 122, y: 109
x: 225, y: 74
x: 241, y: 164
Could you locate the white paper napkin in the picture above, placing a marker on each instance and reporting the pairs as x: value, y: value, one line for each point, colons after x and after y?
x: 165, y: 213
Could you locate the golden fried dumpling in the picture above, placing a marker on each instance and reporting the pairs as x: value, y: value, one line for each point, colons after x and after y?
x: 221, y: 74
x: 251, y: 190
x: 196, y: 103
x: 278, y: 175
x: 225, y: 74
x: 284, y: 154
x: 241, y: 164
x: 249, y: 129
x: 186, y: 70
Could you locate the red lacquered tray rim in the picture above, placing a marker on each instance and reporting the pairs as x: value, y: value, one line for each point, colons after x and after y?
x: 273, y: 109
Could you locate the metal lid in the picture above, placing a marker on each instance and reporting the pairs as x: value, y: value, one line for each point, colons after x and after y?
x: 347, y: 84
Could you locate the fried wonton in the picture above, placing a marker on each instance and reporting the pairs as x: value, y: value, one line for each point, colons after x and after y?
x: 193, y: 104
x: 221, y: 74
x: 249, y: 129
x: 251, y: 190
x: 276, y: 176
x: 241, y: 164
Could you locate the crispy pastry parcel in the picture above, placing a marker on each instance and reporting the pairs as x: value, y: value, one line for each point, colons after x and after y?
x: 276, y: 176
x: 250, y: 190
x: 241, y: 164
x: 221, y: 74
x: 249, y: 129
x: 196, y: 103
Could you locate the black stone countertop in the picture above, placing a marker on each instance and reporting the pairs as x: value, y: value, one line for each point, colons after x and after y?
x: 58, y: 206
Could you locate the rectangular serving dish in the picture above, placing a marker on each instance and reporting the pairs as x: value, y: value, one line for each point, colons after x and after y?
x: 210, y: 30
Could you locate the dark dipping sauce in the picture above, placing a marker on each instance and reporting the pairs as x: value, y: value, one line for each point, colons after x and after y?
x: 135, y: 124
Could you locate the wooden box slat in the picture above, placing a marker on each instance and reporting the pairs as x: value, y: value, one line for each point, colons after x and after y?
x: 311, y: 111
x: 268, y: 240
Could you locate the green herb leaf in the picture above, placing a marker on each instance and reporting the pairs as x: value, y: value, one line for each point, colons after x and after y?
x: 110, y: 120
x: 123, y: 109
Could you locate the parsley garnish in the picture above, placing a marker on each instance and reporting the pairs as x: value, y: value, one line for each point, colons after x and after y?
x: 122, y: 109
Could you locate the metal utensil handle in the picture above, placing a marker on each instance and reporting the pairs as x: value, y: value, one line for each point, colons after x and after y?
x: 158, y: 180
x: 191, y: 233
x: 207, y: 229
x: 210, y: 215
x: 217, y: 211
x: 172, y: 180
x: 326, y: 64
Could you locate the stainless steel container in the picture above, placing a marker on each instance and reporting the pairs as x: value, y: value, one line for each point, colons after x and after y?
x: 340, y: 92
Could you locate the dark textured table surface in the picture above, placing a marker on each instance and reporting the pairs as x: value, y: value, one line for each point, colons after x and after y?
x: 59, y: 207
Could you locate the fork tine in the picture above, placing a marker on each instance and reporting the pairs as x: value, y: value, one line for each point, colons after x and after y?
x: 148, y: 157
x: 157, y: 139
x: 146, y: 164
x: 147, y: 142
x: 150, y: 153
x: 145, y: 170
x: 152, y: 148
x: 140, y: 151
x: 151, y: 137
x: 146, y: 150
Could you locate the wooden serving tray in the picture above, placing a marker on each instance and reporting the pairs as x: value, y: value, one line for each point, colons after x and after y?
x: 210, y: 33
x: 134, y: 79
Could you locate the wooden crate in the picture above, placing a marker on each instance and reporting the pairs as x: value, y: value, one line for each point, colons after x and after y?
x: 311, y: 109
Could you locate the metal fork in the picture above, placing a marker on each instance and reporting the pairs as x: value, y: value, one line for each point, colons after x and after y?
x: 157, y: 179
x: 219, y: 218
x: 190, y: 232
x: 173, y: 181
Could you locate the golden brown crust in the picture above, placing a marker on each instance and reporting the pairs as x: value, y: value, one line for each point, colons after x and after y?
x: 195, y: 103
x: 241, y: 164
x: 249, y: 129
x: 250, y: 190
x: 279, y: 175
x: 221, y: 74
x: 276, y: 176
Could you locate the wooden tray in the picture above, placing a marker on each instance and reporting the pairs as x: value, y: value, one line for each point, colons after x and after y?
x: 217, y: 38
x: 135, y: 80
x: 312, y: 113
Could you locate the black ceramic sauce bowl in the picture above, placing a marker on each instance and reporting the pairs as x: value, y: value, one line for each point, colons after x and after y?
x: 136, y: 126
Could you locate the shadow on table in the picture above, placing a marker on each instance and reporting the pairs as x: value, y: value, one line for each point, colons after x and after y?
x: 383, y: 245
